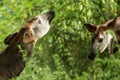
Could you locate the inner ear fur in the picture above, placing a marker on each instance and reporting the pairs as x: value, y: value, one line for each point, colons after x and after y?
x: 90, y: 27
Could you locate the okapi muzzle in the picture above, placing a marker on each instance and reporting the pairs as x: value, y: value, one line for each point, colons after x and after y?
x: 50, y: 15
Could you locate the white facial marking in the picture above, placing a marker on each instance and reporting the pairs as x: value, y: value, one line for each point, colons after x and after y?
x: 40, y: 27
x: 101, y: 46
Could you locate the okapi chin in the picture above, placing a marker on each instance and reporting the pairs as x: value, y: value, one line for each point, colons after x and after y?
x: 11, y: 58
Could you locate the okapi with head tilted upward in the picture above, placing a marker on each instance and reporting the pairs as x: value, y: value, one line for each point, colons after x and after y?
x: 101, y: 38
x: 11, y: 59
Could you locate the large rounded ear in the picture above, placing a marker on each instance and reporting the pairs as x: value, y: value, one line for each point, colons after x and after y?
x: 10, y: 38
x: 112, y: 22
x: 15, y: 38
x: 90, y: 27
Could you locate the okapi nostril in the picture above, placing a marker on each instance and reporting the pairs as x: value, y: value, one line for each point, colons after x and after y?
x: 91, y: 56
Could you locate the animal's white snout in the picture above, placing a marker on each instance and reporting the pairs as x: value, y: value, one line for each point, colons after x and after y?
x: 41, y: 25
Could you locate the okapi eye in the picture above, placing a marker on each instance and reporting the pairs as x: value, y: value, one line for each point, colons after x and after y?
x: 100, y: 40
x: 39, y: 21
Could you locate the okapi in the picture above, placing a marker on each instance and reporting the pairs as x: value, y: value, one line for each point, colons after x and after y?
x: 11, y: 58
x: 102, y: 39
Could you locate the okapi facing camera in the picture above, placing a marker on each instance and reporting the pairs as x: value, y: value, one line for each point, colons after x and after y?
x: 101, y: 39
x: 11, y: 59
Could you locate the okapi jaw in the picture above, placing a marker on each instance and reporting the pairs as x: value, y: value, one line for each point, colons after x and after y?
x: 36, y: 28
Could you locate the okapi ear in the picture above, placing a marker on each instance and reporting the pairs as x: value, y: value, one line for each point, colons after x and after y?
x: 112, y: 23
x: 103, y: 28
x: 10, y: 38
x: 90, y: 27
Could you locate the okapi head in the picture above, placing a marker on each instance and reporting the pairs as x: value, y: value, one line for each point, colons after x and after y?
x: 101, y: 39
x: 36, y: 28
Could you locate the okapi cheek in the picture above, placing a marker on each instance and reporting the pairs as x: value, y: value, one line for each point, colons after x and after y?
x: 28, y: 38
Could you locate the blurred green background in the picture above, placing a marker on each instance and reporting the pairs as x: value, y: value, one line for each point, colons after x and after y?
x: 62, y: 53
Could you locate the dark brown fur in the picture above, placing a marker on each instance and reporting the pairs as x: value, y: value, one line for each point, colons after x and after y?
x: 27, y: 38
x: 11, y: 60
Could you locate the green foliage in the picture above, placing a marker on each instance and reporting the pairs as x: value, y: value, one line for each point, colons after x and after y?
x: 62, y: 53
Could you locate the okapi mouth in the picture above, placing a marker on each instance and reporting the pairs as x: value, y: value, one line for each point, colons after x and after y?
x: 50, y: 15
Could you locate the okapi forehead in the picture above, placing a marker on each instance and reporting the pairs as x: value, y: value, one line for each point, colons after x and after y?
x: 33, y: 19
x: 30, y: 22
x: 97, y: 33
x: 101, y: 28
